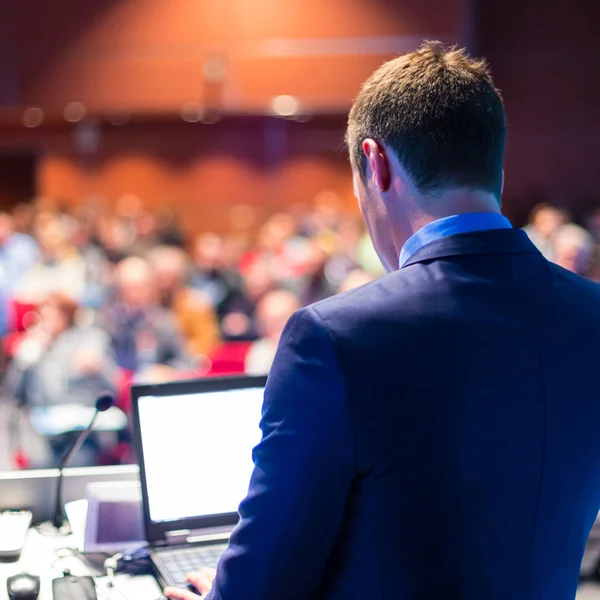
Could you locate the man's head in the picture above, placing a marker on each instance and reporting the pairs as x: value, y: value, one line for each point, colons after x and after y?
x: 572, y: 248
x: 546, y: 219
x: 273, y: 312
x: 426, y: 136
x: 6, y: 228
x: 134, y: 283
x: 171, y: 268
x: 208, y: 251
x: 58, y: 313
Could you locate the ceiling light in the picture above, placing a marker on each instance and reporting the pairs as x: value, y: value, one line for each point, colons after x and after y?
x: 74, y: 112
x: 33, y: 117
x: 285, y: 106
x: 192, y: 112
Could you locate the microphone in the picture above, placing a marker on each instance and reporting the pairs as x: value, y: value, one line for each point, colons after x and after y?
x: 104, y: 401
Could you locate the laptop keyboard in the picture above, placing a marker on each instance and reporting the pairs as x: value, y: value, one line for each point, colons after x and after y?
x: 176, y: 563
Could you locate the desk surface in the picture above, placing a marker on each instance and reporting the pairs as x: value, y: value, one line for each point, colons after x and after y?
x: 40, y: 558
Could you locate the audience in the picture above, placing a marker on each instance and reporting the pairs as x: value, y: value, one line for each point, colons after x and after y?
x: 123, y: 295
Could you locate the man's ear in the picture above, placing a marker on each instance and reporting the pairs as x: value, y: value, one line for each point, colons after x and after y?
x: 378, y: 163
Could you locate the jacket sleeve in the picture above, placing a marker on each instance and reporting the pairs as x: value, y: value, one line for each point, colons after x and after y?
x: 304, y: 466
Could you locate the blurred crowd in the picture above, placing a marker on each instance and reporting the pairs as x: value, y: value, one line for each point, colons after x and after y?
x: 91, y: 300
x: 571, y: 246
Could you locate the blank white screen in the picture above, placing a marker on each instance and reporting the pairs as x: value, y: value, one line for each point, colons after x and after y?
x: 198, y: 451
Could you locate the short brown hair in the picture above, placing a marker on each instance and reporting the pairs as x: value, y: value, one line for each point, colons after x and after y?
x: 439, y: 111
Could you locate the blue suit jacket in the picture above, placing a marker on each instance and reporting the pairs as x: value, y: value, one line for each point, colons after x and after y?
x: 432, y: 435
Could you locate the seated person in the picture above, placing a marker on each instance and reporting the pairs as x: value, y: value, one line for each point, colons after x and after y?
x: 18, y: 253
x: 59, y: 362
x: 238, y: 322
x: 143, y: 333
x: 272, y: 313
x: 59, y: 269
x: 194, y: 315
x: 211, y: 276
x: 572, y: 248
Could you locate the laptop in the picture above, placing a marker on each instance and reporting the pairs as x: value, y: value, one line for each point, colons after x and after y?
x: 194, y: 442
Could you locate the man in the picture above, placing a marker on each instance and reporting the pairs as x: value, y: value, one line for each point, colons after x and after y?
x: 543, y: 222
x: 572, y: 248
x: 195, y: 317
x: 143, y: 333
x: 18, y: 253
x: 431, y: 434
x: 273, y: 311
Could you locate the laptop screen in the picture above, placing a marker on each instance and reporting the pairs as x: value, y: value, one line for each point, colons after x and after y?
x: 198, y: 451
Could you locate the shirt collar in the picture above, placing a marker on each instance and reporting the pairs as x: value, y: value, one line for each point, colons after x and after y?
x: 453, y: 225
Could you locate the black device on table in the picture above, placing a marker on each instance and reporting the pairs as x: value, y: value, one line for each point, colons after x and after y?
x: 70, y: 587
x: 23, y: 587
x: 194, y: 442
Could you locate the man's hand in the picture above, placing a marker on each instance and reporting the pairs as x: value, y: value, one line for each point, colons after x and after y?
x: 201, y: 580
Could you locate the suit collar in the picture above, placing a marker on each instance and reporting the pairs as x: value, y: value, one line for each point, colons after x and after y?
x: 497, y: 241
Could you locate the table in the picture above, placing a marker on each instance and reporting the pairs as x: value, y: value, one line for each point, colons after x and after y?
x: 39, y: 558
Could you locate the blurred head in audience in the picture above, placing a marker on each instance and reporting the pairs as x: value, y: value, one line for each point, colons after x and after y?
x: 593, y: 271
x: 319, y: 250
x: 355, y: 279
x: 572, y: 248
x: 135, y: 285
x: 23, y: 215
x: 114, y: 237
x: 349, y: 234
x: 426, y: 137
x: 52, y: 236
x: 273, y: 312
x: 208, y: 251
x: 326, y: 210
x: 57, y: 314
x: 278, y: 229
x: 593, y: 223
x: 257, y: 281
x: 546, y: 219
x: 6, y: 228
x: 170, y: 266
x: 145, y: 225
x: 234, y: 248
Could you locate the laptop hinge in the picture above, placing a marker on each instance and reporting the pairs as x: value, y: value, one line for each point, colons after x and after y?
x: 177, y: 538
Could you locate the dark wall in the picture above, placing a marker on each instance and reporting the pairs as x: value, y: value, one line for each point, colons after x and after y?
x: 546, y: 59
x: 151, y: 55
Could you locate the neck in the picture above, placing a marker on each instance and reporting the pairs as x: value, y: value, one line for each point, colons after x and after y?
x: 450, y: 203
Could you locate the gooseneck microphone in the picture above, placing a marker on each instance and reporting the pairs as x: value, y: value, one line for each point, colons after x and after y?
x: 103, y: 402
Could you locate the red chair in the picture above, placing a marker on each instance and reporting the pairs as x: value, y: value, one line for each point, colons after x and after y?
x: 229, y: 359
x: 21, y: 315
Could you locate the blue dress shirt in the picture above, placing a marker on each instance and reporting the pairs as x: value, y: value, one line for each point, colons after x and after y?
x: 454, y: 225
